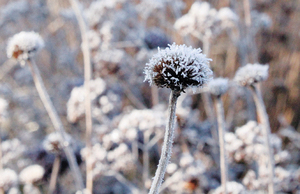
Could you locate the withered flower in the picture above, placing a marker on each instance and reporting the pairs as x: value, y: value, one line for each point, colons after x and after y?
x: 178, y: 67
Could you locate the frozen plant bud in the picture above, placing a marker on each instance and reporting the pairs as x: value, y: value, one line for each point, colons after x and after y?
x: 31, y: 174
x: 8, y: 178
x: 251, y: 74
x: 178, y: 67
x: 218, y: 86
x: 24, y: 45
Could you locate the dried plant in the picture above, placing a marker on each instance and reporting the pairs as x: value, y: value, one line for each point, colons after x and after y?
x: 217, y: 88
x: 250, y: 75
x: 177, y: 68
x: 23, y: 47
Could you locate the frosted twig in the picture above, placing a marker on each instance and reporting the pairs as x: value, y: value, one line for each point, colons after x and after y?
x: 87, y: 77
x: 54, y: 174
x: 167, y: 145
x: 58, y: 126
x: 221, y: 129
x: 262, y: 113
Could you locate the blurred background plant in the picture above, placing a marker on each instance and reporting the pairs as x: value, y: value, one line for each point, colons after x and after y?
x: 128, y: 115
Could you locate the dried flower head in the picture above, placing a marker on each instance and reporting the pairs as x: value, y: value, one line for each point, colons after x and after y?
x: 52, y: 142
x: 178, y: 67
x: 8, y: 178
x: 24, y: 45
x: 218, y: 86
x: 251, y: 74
x: 31, y: 174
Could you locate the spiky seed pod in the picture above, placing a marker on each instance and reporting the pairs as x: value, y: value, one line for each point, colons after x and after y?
x: 178, y: 67
x: 251, y: 74
x: 24, y: 45
x: 218, y: 86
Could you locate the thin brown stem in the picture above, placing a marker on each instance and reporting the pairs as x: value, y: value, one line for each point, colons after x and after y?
x: 262, y: 113
x: 221, y: 128
x: 54, y: 174
x: 58, y: 126
x: 167, y: 145
x: 87, y: 77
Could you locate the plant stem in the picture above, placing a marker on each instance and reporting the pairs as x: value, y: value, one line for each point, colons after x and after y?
x: 221, y: 129
x: 1, y: 164
x: 146, y: 158
x: 58, y: 126
x: 54, y: 174
x: 87, y: 77
x: 262, y: 113
x: 167, y: 145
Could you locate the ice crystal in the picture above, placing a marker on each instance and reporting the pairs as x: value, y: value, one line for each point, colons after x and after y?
x: 178, y: 67
x: 24, y: 45
x: 31, y: 174
x: 251, y: 74
x: 218, y: 86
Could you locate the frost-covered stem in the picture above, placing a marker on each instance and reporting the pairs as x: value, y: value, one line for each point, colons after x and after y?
x: 262, y: 113
x: 87, y: 77
x: 154, y: 95
x: 54, y: 174
x: 146, y: 157
x: 58, y: 126
x: 221, y: 128
x: 167, y: 145
x: 207, y: 102
x: 247, y: 11
x: 1, y: 163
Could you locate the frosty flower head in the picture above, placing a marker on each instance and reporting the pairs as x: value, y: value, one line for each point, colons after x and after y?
x: 24, y: 45
x: 218, y: 86
x: 8, y: 178
x: 52, y: 143
x: 251, y: 74
x: 178, y: 67
x: 32, y: 174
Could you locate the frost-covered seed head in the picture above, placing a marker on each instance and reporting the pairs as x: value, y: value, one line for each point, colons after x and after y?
x: 178, y: 67
x: 31, y: 174
x: 251, y: 74
x: 8, y: 178
x: 52, y: 142
x: 24, y: 45
x: 218, y: 86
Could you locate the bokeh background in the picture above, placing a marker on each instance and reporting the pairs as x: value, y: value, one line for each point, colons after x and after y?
x: 127, y: 112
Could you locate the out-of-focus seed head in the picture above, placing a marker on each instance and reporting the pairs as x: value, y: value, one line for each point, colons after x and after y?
x: 251, y: 74
x: 31, y: 174
x: 52, y: 143
x: 8, y: 179
x: 218, y: 86
x: 178, y: 67
x: 24, y: 45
